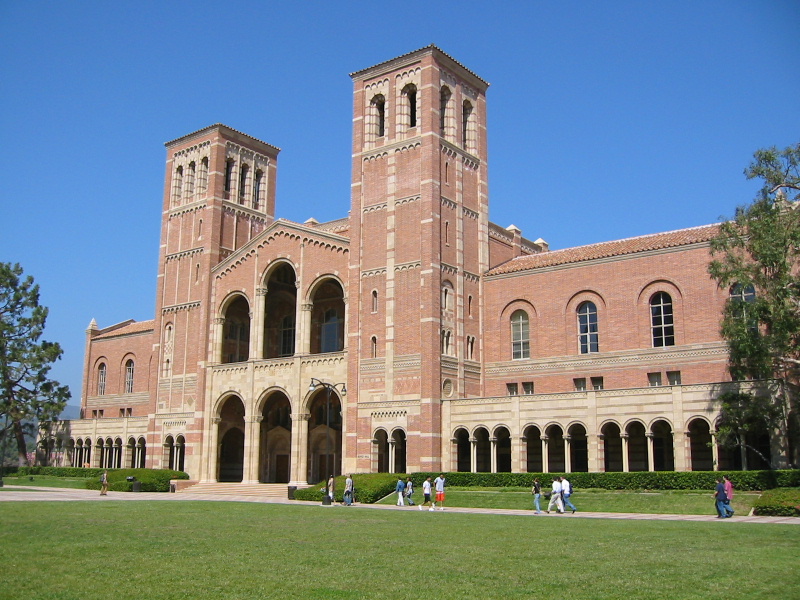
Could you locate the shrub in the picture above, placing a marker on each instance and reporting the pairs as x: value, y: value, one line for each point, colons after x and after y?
x: 152, y: 480
x: 778, y: 503
x: 370, y: 487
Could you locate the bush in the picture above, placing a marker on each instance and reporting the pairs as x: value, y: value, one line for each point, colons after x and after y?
x: 76, y: 472
x: 370, y: 487
x: 152, y: 480
x: 778, y: 503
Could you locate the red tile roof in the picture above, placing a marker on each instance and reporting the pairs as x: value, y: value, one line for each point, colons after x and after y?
x: 656, y: 241
x: 125, y: 329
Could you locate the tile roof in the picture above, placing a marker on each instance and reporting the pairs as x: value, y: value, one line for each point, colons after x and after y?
x: 656, y: 241
x: 125, y: 329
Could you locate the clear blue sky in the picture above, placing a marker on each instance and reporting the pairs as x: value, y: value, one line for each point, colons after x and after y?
x: 606, y: 119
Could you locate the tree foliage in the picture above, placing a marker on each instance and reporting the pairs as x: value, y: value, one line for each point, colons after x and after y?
x: 28, y: 397
x: 756, y: 258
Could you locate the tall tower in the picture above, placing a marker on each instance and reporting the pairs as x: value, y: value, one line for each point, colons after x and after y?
x: 419, y: 242
x: 219, y: 193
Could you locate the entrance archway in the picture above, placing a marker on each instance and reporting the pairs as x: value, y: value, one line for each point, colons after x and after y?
x: 533, y: 447
x: 578, y: 449
x: 637, y: 447
x: 612, y: 448
x: 463, y: 451
x: 231, y: 435
x: 399, y: 439
x: 663, y: 453
x: 274, y: 464
x: 483, y: 451
x: 556, y: 462
x: 502, y: 450
x: 324, y: 436
x: 381, y: 444
x: 702, y: 456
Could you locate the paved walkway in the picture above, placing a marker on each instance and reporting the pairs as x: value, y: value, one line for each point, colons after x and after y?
x: 13, y: 493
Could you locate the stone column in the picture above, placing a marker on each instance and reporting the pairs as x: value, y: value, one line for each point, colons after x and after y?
x: 714, y: 450
x: 545, y: 458
x: 568, y: 453
x: 299, y: 458
x: 213, y: 455
x: 218, y: 337
x: 625, y: 462
x: 257, y: 324
x: 651, y: 439
x: 392, y: 450
x: 683, y: 455
x: 251, y: 448
x: 302, y: 343
x: 473, y: 455
x: 599, y: 465
x: 522, y: 453
x: 493, y: 467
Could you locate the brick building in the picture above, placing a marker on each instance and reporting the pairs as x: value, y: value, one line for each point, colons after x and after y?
x: 413, y: 334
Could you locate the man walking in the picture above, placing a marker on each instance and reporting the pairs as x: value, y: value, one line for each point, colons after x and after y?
x: 721, y: 498
x: 566, y: 492
x: 400, y: 488
x: 555, y: 497
x: 409, y: 491
x: 728, y: 485
x: 348, y: 491
x: 439, y: 484
x: 426, y: 494
x: 536, y: 490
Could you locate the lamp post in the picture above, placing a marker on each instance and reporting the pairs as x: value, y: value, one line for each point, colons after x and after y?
x: 329, y: 387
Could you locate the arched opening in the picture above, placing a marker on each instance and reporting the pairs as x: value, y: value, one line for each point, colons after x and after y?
x: 502, y: 450
x: 533, y: 450
x: 327, y: 318
x: 612, y: 448
x: 140, y: 454
x: 72, y: 453
x: 276, y: 440
x: 637, y: 447
x: 702, y: 456
x: 555, y: 449
x: 381, y: 444
x: 578, y: 449
x: 236, y: 336
x: 663, y: 453
x: 180, y: 453
x: 324, y: 436
x: 280, y: 311
x: 169, y: 452
x: 463, y: 451
x: 399, y: 441
x: 483, y: 451
x: 231, y: 436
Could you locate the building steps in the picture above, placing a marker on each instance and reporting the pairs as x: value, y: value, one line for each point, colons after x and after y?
x: 261, y: 490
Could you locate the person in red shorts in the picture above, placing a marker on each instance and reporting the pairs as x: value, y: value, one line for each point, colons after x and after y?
x: 439, y: 484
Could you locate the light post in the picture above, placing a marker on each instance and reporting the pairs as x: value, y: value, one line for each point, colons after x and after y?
x: 329, y: 387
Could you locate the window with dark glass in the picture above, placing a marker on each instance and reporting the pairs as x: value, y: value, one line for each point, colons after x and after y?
x: 663, y: 326
x: 520, y: 342
x: 587, y: 328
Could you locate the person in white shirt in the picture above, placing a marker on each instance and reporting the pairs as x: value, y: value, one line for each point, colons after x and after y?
x: 438, y: 483
x: 348, y: 491
x: 566, y: 492
x: 426, y: 493
x: 555, y: 497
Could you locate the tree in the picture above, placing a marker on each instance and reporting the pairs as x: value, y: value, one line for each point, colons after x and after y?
x: 756, y: 258
x: 28, y: 397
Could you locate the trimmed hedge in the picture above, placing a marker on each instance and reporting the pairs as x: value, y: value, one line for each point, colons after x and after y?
x: 778, y: 503
x: 60, y: 471
x: 374, y: 486
x: 152, y: 480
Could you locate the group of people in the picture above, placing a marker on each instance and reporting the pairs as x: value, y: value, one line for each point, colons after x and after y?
x: 559, y: 495
x: 405, y: 492
x: 723, y: 494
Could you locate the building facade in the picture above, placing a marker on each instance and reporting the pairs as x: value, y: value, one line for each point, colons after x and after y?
x: 435, y: 339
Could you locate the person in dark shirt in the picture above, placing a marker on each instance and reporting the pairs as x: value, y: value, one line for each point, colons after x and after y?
x: 721, y: 498
x: 536, y: 490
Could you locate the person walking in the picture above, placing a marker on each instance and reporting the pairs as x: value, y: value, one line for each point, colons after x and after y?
x: 555, y: 497
x: 728, y: 485
x: 439, y: 484
x: 348, y: 491
x: 720, y: 498
x: 426, y: 494
x: 409, y: 491
x: 566, y: 492
x: 103, y: 483
x: 331, y: 488
x: 400, y: 488
x: 536, y: 490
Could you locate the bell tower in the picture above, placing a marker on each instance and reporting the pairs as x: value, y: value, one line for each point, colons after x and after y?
x: 219, y: 193
x: 419, y: 242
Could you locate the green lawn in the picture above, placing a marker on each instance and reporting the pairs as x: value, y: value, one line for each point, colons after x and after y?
x: 169, y: 550
x: 680, y: 502
x: 46, y: 481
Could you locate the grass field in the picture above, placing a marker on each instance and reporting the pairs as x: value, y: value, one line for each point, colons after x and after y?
x: 45, y: 481
x: 169, y: 550
x: 677, y: 502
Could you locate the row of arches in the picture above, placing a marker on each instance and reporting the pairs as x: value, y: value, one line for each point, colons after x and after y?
x: 268, y: 446
x: 107, y: 453
x: 634, y: 447
x: 276, y: 333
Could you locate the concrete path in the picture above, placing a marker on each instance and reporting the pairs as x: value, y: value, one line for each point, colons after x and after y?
x: 16, y: 493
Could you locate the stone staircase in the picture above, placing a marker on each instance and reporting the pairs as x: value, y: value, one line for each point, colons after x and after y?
x: 278, y: 491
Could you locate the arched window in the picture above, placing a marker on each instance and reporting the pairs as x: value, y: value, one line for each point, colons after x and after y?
x: 190, y: 177
x: 663, y: 326
x: 229, y: 166
x: 374, y: 301
x: 410, y: 94
x: 373, y: 347
x: 520, y: 342
x: 447, y: 342
x: 101, y: 379
x: 177, y: 185
x: 587, y: 328
x: 448, y: 296
x: 258, y: 189
x: 468, y: 129
x: 129, y: 377
x: 444, y: 100
x: 378, y: 105
x: 330, y: 331
x: 244, y: 173
x: 202, y: 176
